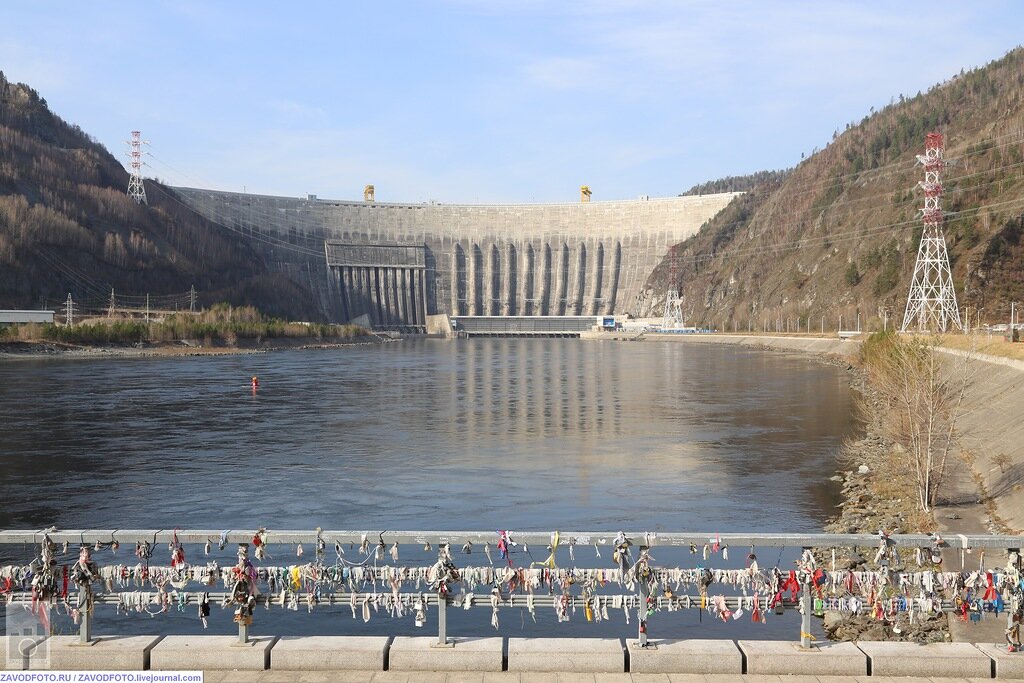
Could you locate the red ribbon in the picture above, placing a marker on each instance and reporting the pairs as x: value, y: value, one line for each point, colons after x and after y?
x: 792, y: 585
x: 990, y: 594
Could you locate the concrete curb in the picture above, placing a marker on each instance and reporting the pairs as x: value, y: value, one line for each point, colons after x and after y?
x: 542, y: 655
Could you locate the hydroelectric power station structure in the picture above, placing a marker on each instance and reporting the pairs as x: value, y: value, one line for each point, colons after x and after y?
x: 393, y: 264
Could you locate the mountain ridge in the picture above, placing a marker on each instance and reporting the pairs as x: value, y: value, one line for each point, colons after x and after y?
x: 67, y: 226
x: 838, y: 234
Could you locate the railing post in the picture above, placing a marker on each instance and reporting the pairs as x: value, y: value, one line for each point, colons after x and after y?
x: 242, y: 612
x: 641, y: 613
x: 243, y: 633
x: 85, y: 618
x: 442, y: 620
x: 805, y: 621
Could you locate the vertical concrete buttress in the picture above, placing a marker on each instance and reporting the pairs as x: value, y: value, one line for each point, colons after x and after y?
x: 544, y: 305
x: 388, y: 296
x: 579, y: 278
x: 475, y: 279
x: 415, y: 277
x: 359, y: 291
x: 421, y: 297
x: 562, y: 280
x: 598, y: 278
x: 454, y: 307
x: 378, y: 274
x: 400, y: 314
x: 509, y: 282
x: 613, y: 285
x: 406, y: 283
x: 346, y: 293
x: 491, y: 274
x: 527, y: 294
x: 375, y: 312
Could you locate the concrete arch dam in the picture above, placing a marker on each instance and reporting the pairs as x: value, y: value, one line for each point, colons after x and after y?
x: 398, y: 263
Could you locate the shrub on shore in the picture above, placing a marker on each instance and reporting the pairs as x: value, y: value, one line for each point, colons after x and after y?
x: 922, y: 400
x: 222, y: 323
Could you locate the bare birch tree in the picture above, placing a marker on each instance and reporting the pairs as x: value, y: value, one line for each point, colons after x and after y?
x: 924, y: 394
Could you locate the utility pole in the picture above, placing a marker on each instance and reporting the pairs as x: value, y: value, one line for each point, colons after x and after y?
x: 147, y: 308
x: 113, y: 304
x: 192, y: 299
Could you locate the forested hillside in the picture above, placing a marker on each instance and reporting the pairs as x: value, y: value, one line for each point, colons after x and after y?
x: 66, y: 225
x: 839, y: 234
x: 734, y: 183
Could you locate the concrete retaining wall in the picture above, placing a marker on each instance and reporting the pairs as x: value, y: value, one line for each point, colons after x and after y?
x: 337, y: 653
x: 816, y: 345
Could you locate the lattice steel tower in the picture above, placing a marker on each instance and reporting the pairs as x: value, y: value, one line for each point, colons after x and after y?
x: 931, y: 303
x: 136, y: 188
x: 673, y: 316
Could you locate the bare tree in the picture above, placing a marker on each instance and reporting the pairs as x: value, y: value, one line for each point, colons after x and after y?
x: 925, y: 395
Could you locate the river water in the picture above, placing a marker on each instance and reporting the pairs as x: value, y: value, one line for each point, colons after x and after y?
x: 481, y: 434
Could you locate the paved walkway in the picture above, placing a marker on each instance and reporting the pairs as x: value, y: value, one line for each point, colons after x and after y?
x: 510, y: 677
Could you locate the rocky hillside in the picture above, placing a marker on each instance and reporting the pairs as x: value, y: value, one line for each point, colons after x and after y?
x: 66, y: 225
x: 839, y: 234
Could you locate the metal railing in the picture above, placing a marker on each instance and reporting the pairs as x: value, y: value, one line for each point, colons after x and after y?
x: 630, y: 551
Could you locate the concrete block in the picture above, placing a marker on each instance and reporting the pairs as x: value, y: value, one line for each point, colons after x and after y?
x: 946, y: 660
x: 216, y: 653
x: 117, y: 653
x: 581, y: 655
x: 686, y: 656
x: 1007, y: 664
x: 330, y: 653
x: 19, y: 651
x: 776, y: 657
x: 466, y: 654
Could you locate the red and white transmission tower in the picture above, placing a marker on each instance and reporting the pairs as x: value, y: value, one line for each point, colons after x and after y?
x: 931, y: 304
x: 136, y: 188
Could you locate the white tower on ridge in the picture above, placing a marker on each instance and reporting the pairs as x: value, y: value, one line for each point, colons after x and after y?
x: 136, y: 188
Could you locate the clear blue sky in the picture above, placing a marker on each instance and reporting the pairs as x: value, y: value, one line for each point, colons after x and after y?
x: 480, y: 100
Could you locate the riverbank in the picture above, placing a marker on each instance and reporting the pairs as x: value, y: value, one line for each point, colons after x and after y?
x: 34, y: 350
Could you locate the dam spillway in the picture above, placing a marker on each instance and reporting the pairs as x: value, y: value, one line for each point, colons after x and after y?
x: 396, y: 263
